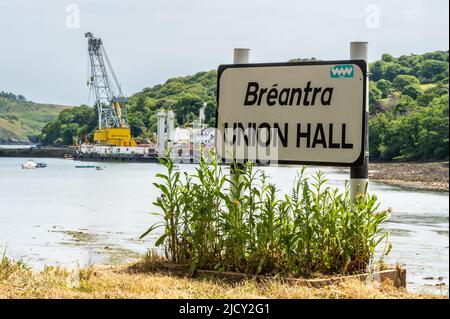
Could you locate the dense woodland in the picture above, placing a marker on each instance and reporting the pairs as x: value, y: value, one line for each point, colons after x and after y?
x: 408, y: 108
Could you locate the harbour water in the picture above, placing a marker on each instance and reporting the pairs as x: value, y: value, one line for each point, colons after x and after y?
x: 61, y: 215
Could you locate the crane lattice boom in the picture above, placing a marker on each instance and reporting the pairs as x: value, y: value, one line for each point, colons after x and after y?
x: 113, y: 126
x: 108, y: 102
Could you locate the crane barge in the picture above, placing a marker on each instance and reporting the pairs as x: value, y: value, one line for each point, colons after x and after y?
x: 112, y: 124
x: 112, y: 140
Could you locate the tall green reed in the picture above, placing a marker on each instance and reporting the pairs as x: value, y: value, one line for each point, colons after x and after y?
x: 213, y: 221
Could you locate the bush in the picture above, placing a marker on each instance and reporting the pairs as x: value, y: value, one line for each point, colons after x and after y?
x: 404, y: 105
x: 413, y: 91
x: 401, y: 81
x: 385, y: 87
x: 255, y: 230
x: 425, y: 99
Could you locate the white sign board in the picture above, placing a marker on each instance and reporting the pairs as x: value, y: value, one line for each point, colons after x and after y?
x: 308, y: 113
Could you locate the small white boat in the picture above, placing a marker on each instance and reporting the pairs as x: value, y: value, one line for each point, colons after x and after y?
x: 100, y: 167
x: 30, y: 164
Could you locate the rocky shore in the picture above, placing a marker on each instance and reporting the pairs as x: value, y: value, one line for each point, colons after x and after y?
x: 417, y: 175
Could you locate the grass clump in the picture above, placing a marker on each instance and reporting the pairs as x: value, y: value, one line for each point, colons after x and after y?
x: 9, y: 267
x: 213, y: 221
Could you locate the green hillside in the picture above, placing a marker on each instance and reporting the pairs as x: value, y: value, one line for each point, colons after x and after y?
x: 408, y: 107
x: 185, y: 95
x: 21, y: 121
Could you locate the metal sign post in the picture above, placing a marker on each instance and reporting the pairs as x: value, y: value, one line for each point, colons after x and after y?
x: 240, y: 56
x: 359, y: 176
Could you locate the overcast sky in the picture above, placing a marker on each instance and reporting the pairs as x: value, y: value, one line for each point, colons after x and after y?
x: 43, y: 52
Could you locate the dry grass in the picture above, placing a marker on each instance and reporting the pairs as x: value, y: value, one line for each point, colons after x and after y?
x: 122, y: 282
x: 428, y: 86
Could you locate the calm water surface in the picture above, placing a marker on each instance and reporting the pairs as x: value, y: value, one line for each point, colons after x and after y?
x: 69, y: 216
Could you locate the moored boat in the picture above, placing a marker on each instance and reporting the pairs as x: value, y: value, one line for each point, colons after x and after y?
x: 30, y: 164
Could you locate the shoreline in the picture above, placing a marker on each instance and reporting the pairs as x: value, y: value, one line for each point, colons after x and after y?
x: 427, y: 176
x: 422, y: 176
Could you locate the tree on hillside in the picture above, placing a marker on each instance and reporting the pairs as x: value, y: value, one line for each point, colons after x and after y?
x: 404, y: 105
x: 402, y: 81
x: 393, y: 69
x: 12, y: 96
x: 71, y: 126
x: 385, y: 87
x: 410, y: 61
x: 412, y: 91
x: 430, y: 71
x: 375, y: 95
x: 387, y: 57
x: 377, y: 70
x: 437, y: 55
x: 186, y: 104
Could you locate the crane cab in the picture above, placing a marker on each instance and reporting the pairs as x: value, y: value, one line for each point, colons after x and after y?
x: 114, y: 136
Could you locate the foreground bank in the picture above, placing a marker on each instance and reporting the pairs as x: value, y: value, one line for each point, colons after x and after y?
x: 125, y: 281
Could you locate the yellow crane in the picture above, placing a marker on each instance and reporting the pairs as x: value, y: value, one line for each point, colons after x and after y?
x: 112, y: 117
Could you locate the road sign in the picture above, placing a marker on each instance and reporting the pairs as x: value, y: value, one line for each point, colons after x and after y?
x: 305, y: 112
